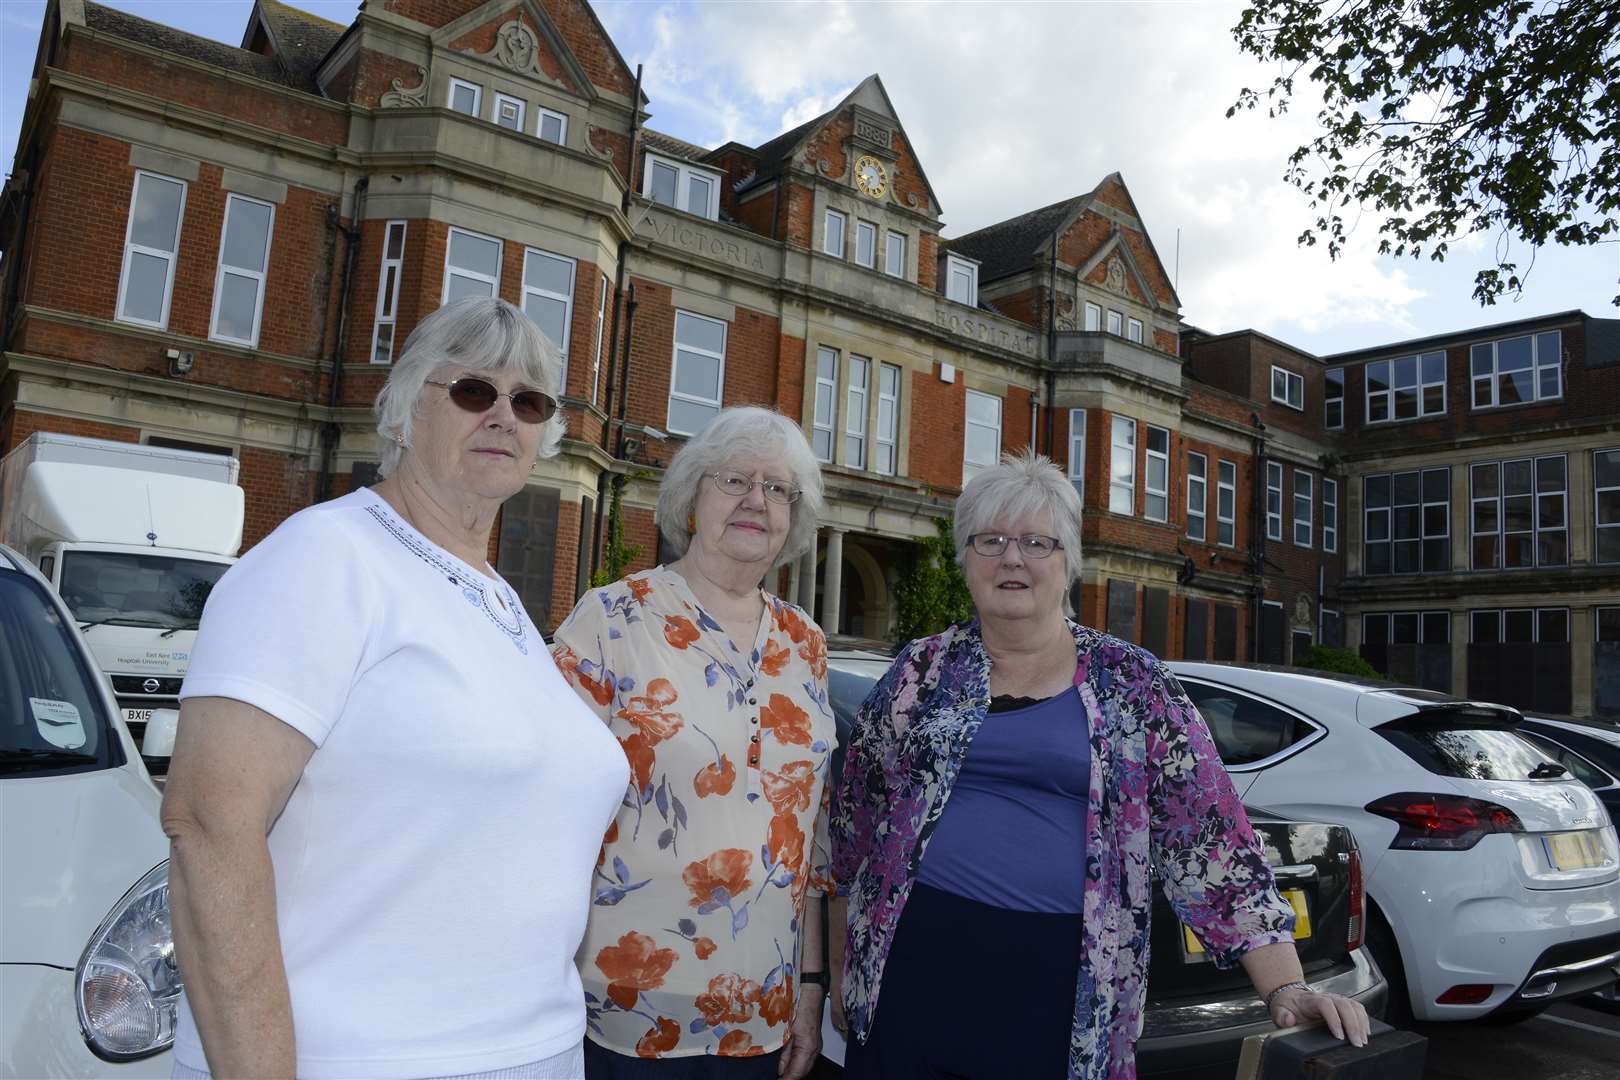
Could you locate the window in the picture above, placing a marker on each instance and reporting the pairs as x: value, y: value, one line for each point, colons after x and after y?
x: 1247, y: 730
x: 1156, y: 485
x: 1606, y: 503
x: 1093, y: 317
x: 685, y: 187
x: 1519, y: 513
x: 1226, y: 504
x: 1287, y: 388
x: 1408, y: 522
x: 1407, y: 388
x: 699, y: 372
x: 1411, y: 647
x: 1304, y: 507
x: 1133, y: 330
x: 472, y: 265
x: 151, y: 244
x: 894, y: 254
x: 983, y: 447
x: 393, y: 260
x: 548, y: 297
x: 1538, y: 626
x: 825, y: 417
x: 1333, y: 398
x: 866, y: 244
x: 1197, y: 495
x: 1122, y: 467
x: 244, y: 257
x: 1330, y: 515
x: 1330, y: 628
x: 961, y: 280
x: 1274, y: 484
x: 832, y: 239
x: 601, y: 336
x: 1406, y: 628
x: 509, y: 112
x: 888, y: 419
x: 1115, y: 323
x: 466, y: 97
x: 1517, y: 370
x: 1077, y: 451
x: 553, y: 127
x: 860, y: 371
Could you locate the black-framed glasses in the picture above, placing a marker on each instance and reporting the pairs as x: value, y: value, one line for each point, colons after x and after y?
x: 1030, y: 545
x: 480, y: 395
x: 738, y: 485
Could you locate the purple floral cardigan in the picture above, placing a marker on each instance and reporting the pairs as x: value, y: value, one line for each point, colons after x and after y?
x: 1159, y: 796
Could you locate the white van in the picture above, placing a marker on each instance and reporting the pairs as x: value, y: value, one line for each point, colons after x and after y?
x: 87, y: 969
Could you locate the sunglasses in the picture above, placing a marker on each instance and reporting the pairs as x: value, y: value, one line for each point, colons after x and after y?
x: 477, y: 396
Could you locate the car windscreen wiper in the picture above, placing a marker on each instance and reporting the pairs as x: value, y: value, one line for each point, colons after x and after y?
x: 173, y: 630
x: 17, y: 757
x: 112, y: 620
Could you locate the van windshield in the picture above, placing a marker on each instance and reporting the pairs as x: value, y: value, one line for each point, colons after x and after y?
x: 134, y: 589
x: 51, y: 717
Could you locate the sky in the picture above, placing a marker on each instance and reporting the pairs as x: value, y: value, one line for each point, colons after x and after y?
x: 1013, y: 105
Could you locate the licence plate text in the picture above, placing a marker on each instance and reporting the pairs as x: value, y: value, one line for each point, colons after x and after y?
x: 1573, y: 850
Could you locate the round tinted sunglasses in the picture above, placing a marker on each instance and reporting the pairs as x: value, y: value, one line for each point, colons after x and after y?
x: 477, y: 396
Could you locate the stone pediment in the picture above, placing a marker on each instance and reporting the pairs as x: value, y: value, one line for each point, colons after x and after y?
x: 517, y: 37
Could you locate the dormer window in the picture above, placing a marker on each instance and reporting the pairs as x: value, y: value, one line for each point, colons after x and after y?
x: 683, y: 186
x: 961, y: 280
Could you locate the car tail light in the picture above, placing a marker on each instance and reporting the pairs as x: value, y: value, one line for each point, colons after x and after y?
x: 1465, y: 994
x: 1434, y: 822
x: 1357, y: 903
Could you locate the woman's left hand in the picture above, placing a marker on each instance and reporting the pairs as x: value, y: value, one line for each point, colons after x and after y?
x: 803, y: 1044
x: 1344, y: 1017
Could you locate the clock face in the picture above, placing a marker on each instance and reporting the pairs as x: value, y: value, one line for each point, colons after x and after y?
x: 870, y: 177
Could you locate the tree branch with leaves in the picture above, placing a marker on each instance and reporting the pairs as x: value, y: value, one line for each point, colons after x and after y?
x: 1450, y: 118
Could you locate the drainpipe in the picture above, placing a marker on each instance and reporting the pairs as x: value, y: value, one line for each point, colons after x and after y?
x: 1257, y: 537
x: 17, y: 250
x: 331, y: 431
x: 613, y: 336
x: 1051, y: 347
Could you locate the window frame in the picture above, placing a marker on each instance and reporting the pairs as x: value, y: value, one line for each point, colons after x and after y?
x: 386, y: 313
x: 507, y: 99
x: 1128, y: 483
x: 170, y: 258
x: 1229, y: 521
x: 1274, y: 493
x: 1315, y: 732
x: 1200, y: 509
x: 870, y: 230
x: 1149, y: 492
x: 1134, y: 331
x: 887, y: 437
x: 1498, y: 504
x: 1491, y: 378
x: 1077, y: 461
x: 1309, y: 521
x: 955, y: 264
x: 493, y: 282
x: 1421, y: 618
x: 261, y: 275
x: 891, y: 266
x: 829, y: 427
x: 827, y: 232
x: 1093, y: 318
x: 567, y: 301
x: 1535, y: 614
x: 675, y: 348
x: 477, y: 112
x: 1330, y: 511
x: 684, y: 171
x: 1114, y: 321
x: 1423, y: 536
x: 1291, y: 380
x: 1599, y: 527
x: 541, y: 115
x: 856, y: 400
x: 1331, y: 378
x: 1389, y: 396
x: 968, y: 422
x: 601, y: 337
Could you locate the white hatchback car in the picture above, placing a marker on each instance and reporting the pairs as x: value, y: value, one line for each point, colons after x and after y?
x: 87, y: 977
x: 1493, y: 878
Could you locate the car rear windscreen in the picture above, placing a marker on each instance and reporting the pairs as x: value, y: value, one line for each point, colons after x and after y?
x: 1466, y: 749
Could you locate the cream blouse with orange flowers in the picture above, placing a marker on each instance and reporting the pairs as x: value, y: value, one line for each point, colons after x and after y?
x: 693, y: 942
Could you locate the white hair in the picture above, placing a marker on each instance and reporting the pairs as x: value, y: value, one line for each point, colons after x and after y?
x: 1022, y: 485
x: 743, y: 431
x: 478, y: 333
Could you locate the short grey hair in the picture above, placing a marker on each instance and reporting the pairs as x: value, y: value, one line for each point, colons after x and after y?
x: 478, y: 333
x: 743, y: 431
x: 1022, y: 485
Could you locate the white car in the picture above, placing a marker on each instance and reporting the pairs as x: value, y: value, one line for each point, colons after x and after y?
x: 1493, y: 877
x: 87, y: 978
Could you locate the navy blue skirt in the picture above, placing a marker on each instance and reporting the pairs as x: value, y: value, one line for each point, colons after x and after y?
x: 601, y: 1064
x: 972, y: 992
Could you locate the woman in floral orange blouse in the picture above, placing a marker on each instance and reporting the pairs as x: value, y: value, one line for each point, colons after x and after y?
x: 701, y: 948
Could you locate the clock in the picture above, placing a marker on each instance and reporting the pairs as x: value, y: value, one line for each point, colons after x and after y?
x: 870, y: 176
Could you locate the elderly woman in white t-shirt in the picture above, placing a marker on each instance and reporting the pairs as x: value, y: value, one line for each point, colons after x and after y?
x: 385, y: 803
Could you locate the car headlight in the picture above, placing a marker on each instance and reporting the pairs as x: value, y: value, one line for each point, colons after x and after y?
x: 126, y: 985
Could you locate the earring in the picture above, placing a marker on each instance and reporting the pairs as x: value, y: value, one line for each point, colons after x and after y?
x: 691, y: 522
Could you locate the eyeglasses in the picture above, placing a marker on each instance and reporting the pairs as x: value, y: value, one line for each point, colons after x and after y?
x: 1030, y: 545
x: 738, y: 485
x: 477, y: 396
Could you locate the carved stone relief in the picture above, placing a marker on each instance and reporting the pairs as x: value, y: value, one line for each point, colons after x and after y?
x: 1115, y: 281
x: 396, y: 96
x: 516, y: 47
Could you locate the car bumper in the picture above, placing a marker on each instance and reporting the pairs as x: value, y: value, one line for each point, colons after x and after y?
x: 39, y: 1031
x: 1206, y: 1034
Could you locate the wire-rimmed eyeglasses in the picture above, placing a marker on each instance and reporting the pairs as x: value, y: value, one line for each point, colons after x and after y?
x: 1030, y: 545
x: 737, y: 485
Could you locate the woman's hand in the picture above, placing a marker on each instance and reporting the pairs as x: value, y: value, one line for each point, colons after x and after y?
x: 1344, y: 1017
x: 803, y: 1043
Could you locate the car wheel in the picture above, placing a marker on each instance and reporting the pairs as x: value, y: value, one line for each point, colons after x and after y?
x: 1387, y: 955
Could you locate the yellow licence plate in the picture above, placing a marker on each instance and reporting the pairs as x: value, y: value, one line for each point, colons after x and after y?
x: 1302, y: 923
x: 1573, y: 850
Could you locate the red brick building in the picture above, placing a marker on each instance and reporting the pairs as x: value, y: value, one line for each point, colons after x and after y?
x: 223, y: 248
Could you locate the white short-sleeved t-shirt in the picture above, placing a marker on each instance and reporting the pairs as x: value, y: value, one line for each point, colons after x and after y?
x: 433, y: 864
